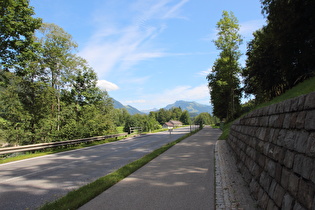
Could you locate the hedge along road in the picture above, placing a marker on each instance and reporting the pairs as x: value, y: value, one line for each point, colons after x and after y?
x: 28, y: 184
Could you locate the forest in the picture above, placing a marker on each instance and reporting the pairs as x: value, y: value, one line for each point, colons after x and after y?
x: 49, y: 93
x: 280, y: 56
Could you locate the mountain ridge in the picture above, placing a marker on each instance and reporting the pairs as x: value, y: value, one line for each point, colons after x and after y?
x: 192, y: 107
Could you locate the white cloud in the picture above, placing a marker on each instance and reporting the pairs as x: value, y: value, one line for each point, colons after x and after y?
x: 106, y: 85
x: 204, y: 73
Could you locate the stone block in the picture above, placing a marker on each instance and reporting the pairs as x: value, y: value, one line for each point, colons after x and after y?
x: 310, y: 101
x: 261, y: 147
x: 270, y: 167
x: 298, y: 163
x: 278, y: 195
x: 285, y: 177
x: 265, y: 181
x: 297, y: 206
x: 279, y: 122
x: 256, y: 170
x: 272, y: 188
x: 294, y: 104
x: 299, y: 124
x: 303, y: 165
x: 275, y: 136
x: 278, y: 172
x: 289, y: 140
x: 254, y: 188
x: 269, y: 134
x: 287, y: 106
x: 280, y: 107
x: 293, y: 184
x: 261, y: 134
x: 281, y: 137
x: 278, y: 154
x: 261, y: 159
x: 271, y: 205
x: 272, y: 120
x: 301, y: 141
x: 263, y: 121
x: 301, y: 102
x: 288, y: 159
x: 272, y: 109
x: 310, y: 120
x: 263, y: 201
x: 287, y: 202
x: 293, y: 120
x: 287, y: 121
x: 306, y: 193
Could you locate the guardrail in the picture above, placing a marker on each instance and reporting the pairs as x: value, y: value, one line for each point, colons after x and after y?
x: 33, y: 147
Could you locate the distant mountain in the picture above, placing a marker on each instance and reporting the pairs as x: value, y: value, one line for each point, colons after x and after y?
x: 133, y: 110
x: 192, y: 107
x: 130, y: 109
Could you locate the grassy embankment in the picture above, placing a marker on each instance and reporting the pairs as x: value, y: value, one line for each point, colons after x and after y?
x: 305, y: 87
x: 79, y: 197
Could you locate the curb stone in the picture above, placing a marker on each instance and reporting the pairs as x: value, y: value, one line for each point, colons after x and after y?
x: 231, y: 191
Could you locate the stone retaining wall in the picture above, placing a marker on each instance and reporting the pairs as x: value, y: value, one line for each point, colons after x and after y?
x: 275, y: 148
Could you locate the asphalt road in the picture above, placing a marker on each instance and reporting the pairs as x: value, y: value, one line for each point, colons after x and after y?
x: 30, y: 183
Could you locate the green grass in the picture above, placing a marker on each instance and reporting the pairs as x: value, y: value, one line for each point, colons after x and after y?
x: 79, y: 197
x: 120, y: 129
x: 303, y: 88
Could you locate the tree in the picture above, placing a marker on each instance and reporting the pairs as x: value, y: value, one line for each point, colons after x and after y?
x: 57, y: 46
x: 203, y: 118
x: 17, y: 27
x: 262, y: 75
x: 185, y: 118
x: 282, y: 52
x: 163, y: 116
x: 223, y: 80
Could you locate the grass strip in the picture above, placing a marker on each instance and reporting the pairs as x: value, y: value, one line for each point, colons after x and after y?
x: 77, y: 198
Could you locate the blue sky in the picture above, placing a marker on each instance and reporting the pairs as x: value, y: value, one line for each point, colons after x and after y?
x: 150, y: 53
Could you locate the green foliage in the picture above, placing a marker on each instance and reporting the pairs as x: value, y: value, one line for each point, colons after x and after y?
x: 53, y: 96
x: 204, y: 118
x: 17, y: 27
x: 282, y: 52
x: 185, y: 118
x: 147, y: 123
x: 224, y: 83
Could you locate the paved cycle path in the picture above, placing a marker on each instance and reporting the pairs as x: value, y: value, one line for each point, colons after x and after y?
x: 180, y: 178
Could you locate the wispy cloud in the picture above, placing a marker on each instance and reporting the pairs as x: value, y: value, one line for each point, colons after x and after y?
x: 117, y: 47
x: 204, y: 73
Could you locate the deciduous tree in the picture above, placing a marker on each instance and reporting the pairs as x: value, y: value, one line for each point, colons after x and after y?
x: 224, y: 83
